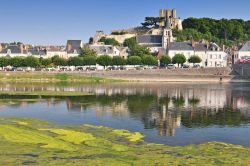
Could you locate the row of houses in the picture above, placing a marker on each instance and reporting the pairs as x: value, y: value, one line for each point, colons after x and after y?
x: 72, y: 48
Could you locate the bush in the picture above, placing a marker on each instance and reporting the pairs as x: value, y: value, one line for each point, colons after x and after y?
x: 149, y: 60
x: 194, y: 59
x: 104, y: 60
x: 4, y: 61
x: 59, y: 61
x: 165, y: 60
x: 134, y: 60
x: 109, y: 41
x: 31, y: 61
x: 75, y: 61
x: 118, y: 61
x: 46, y: 62
x: 89, y: 60
x: 17, y: 62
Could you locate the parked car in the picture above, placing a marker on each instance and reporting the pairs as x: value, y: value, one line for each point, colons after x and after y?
x: 171, y: 66
x: 196, y: 66
x: 185, y: 66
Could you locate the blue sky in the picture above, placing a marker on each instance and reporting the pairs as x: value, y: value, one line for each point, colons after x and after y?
x: 55, y: 21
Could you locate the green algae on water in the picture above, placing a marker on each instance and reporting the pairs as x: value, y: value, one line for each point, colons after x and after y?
x: 34, y: 142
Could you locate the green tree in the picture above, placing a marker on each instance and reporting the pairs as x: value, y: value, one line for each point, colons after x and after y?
x: 32, y: 61
x: 134, y: 60
x: 149, y: 60
x: 139, y: 51
x: 17, y: 62
x: 152, y: 22
x: 45, y: 62
x: 87, y: 52
x: 179, y: 59
x: 194, y: 59
x: 89, y: 60
x: 58, y: 61
x: 165, y: 60
x: 109, y: 41
x: 118, y: 61
x: 91, y: 40
x: 131, y: 43
x: 75, y: 61
x: 104, y: 60
x: 4, y: 61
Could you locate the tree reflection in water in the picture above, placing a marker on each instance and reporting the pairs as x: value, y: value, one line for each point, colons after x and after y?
x: 162, y: 108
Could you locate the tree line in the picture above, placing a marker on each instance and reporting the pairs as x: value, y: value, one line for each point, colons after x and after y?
x: 104, y: 60
x: 223, y: 31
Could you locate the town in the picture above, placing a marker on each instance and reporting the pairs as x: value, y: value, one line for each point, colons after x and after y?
x: 137, y: 48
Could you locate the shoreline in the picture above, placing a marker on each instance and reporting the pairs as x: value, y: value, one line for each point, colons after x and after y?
x: 145, y: 76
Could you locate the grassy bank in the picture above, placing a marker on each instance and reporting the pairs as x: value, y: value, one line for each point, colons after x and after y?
x: 44, y: 93
x: 33, y: 142
x: 40, y: 77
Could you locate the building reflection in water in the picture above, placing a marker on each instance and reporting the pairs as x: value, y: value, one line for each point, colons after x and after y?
x: 165, y: 108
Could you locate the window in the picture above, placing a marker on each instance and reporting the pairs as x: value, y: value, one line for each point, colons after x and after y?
x: 211, y: 56
x: 220, y: 57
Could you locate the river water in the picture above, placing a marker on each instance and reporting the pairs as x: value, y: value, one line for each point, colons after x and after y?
x: 171, y: 114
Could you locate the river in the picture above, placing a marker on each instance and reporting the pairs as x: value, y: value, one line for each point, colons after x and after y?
x: 171, y: 114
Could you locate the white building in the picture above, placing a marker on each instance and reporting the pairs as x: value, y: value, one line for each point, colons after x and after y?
x: 110, y: 50
x: 211, y: 54
x: 243, y: 52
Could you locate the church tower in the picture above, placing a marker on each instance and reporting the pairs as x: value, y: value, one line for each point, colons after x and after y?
x: 167, y: 38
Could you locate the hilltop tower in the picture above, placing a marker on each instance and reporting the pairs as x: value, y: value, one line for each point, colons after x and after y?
x: 170, y: 20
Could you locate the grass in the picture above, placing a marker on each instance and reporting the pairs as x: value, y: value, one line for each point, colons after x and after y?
x: 43, y: 93
x: 34, y: 142
x: 39, y: 77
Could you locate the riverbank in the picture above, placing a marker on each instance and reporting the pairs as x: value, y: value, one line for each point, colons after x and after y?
x: 49, y: 77
x: 157, y: 75
x: 31, y: 141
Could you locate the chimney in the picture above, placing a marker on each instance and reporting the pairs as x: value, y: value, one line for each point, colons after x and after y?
x: 69, y: 47
x: 193, y: 43
x: 21, y: 48
x: 223, y: 48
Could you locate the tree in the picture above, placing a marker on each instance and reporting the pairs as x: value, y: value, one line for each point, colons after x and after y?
x: 165, y: 60
x: 89, y: 60
x: 134, y: 60
x: 152, y: 22
x: 17, y: 62
x: 109, y: 41
x: 104, y: 60
x: 31, y: 61
x: 87, y: 52
x: 131, y: 43
x: 119, y: 33
x: 149, y: 60
x: 194, y: 59
x: 45, y: 62
x: 91, y: 40
x: 139, y: 51
x: 56, y: 60
x: 4, y: 61
x: 75, y: 61
x: 118, y: 61
x: 179, y: 59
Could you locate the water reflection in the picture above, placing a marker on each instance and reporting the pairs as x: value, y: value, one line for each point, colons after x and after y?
x: 165, y: 108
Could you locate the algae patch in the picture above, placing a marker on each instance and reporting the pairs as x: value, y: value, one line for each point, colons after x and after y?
x: 27, y: 141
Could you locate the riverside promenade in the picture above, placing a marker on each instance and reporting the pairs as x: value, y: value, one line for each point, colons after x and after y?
x: 163, y: 75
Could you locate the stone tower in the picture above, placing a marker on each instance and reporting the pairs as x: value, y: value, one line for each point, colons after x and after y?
x: 98, y: 36
x: 170, y: 20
